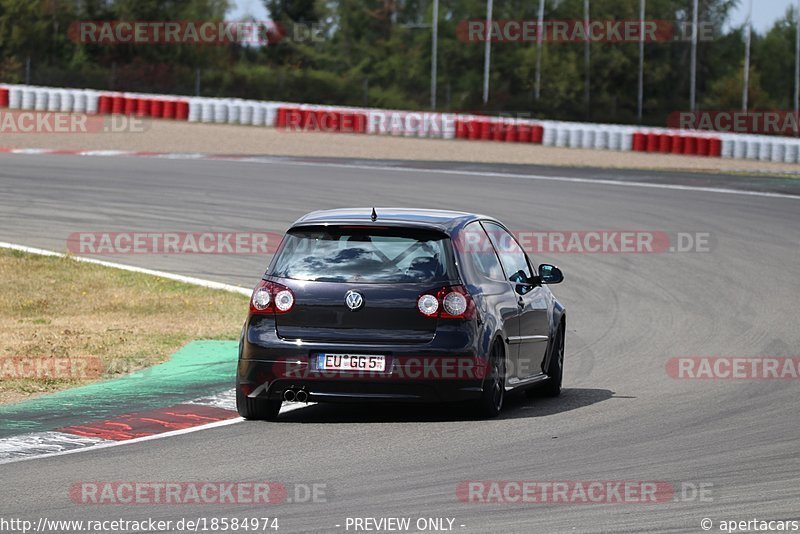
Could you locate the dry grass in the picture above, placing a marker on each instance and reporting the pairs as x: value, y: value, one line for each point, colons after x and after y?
x: 54, y: 307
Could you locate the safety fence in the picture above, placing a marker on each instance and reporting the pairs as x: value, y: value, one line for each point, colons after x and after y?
x: 369, y: 121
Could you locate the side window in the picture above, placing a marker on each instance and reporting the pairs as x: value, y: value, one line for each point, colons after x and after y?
x: 511, y: 254
x: 476, y: 245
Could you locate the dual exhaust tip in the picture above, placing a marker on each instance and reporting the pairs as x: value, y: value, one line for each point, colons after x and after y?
x: 291, y: 395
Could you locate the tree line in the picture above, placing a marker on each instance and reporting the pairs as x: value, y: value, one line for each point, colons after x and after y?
x: 378, y: 53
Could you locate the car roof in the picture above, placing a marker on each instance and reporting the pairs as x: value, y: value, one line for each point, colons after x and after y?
x: 443, y: 220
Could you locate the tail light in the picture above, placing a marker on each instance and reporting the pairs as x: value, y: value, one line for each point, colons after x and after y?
x: 452, y: 302
x: 428, y: 305
x: 269, y: 297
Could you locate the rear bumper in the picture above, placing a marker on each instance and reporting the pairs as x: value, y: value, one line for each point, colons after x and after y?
x: 267, y: 379
x: 449, y: 368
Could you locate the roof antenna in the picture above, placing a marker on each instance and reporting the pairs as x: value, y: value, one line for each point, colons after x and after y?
x: 374, y: 215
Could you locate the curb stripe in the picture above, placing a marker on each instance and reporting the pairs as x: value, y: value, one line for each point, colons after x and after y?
x: 21, y: 455
x: 35, y: 444
x: 151, y: 422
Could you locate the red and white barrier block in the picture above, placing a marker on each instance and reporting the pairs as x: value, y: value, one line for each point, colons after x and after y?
x: 33, y: 98
x: 400, y: 123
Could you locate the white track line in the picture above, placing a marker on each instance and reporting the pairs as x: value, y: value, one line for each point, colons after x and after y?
x: 177, y: 277
x: 567, y: 179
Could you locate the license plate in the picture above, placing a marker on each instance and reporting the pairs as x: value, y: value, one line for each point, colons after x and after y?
x: 351, y: 362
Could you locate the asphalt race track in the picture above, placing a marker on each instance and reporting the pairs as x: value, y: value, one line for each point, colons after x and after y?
x: 621, y: 417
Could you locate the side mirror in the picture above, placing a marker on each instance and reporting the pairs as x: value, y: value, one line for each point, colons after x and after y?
x: 550, y: 274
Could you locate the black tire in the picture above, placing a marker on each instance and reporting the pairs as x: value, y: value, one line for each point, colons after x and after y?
x: 555, y: 370
x: 256, y: 409
x: 494, y: 391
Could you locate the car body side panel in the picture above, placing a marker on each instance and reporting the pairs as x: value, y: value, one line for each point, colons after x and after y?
x: 497, y: 306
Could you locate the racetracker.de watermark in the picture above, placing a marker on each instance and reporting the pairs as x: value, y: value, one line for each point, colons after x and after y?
x: 55, y: 368
x: 765, y: 122
x: 344, y: 367
x: 191, y: 32
x: 579, y: 31
x: 178, y: 242
x: 469, y: 242
x: 585, y: 242
x: 734, y: 368
x: 576, y: 492
x: 194, y: 493
x: 397, y: 123
x: 38, y: 122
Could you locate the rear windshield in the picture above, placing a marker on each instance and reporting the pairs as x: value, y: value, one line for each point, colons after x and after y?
x: 364, y: 255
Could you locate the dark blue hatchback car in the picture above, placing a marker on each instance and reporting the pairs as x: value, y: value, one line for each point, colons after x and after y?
x: 400, y: 305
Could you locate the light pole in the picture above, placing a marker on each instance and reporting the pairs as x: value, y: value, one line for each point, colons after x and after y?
x: 487, y: 58
x: 797, y: 62
x: 434, y: 47
x: 587, y: 60
x: 640, y: 107
x: 747, y: 42
x: 539, y: 39
x: 693, y: 76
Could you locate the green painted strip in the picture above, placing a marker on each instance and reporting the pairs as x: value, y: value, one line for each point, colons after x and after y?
x: 199, y: 369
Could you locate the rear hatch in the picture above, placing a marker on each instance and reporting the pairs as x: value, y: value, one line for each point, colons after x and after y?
x: 383, y: 269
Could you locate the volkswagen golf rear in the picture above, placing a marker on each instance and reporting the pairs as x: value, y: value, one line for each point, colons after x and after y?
x: 359, y: 305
